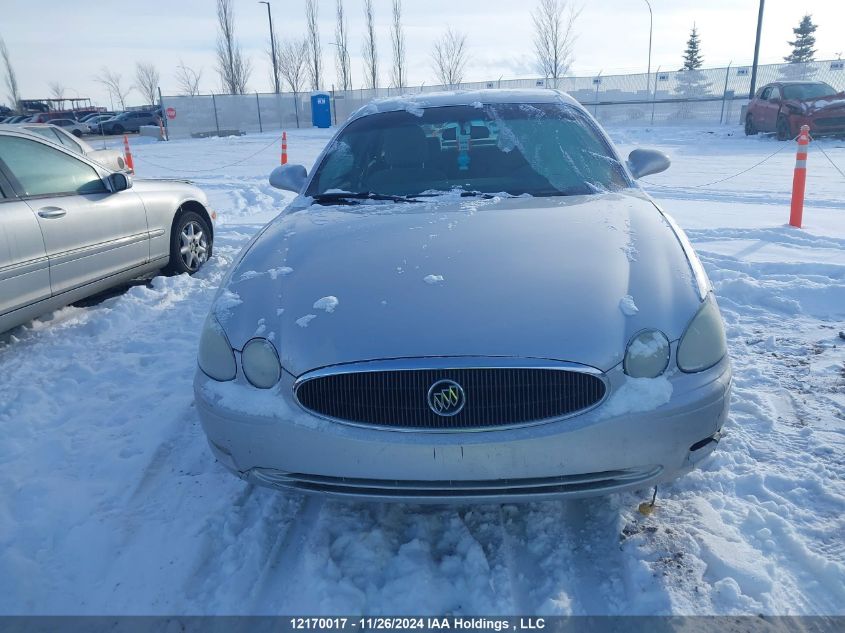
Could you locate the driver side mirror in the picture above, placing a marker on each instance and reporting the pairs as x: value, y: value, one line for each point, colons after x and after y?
x: 644, y: 162
x: 289, y: 178
x: 119, y: 181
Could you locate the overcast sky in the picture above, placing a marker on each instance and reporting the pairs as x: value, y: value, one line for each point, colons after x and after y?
x: 54, y: 40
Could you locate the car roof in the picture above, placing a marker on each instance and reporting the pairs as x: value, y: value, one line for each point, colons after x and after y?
x: 22, y: 128
x: 792, y: 82
x: 465, y: 97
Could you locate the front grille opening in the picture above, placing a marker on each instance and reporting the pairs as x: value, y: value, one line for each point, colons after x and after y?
x: 494, y: 397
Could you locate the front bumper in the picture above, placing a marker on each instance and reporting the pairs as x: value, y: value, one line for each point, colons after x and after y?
x: 267, y: 438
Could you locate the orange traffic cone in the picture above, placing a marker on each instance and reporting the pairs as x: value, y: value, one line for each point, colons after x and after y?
x: 128, y: 155
x: 284, y: 148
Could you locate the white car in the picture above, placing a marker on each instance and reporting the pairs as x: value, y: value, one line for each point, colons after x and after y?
x: 111, y: 158
x: 76, y: 128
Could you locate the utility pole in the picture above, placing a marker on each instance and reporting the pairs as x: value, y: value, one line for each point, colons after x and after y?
x: 756, y: 51
x: 650, y: 30
x: 272, y: 48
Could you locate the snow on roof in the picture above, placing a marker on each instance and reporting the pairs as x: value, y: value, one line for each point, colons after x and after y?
x: 414, y: 102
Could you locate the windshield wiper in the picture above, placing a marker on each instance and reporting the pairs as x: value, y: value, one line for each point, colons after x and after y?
x: 345, y: 197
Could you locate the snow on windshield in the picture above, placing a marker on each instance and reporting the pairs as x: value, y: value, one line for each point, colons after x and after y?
x: 518, y: 149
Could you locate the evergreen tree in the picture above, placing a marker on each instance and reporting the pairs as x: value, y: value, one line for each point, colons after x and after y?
x: 802, y: 46
x: 693, y: 59
x: 691, y: 82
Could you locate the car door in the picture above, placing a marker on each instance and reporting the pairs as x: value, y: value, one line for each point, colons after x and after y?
x: 24, y: 269
x: 89, y: 232
x: 773, y: 102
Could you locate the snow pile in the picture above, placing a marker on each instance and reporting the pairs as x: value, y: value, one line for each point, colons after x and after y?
x: 326, y: 303
x: 627, y: 305
x: 433, y: 279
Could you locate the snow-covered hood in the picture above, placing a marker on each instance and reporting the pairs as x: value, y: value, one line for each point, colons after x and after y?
x: 816, y: 105
x: 527, y: 277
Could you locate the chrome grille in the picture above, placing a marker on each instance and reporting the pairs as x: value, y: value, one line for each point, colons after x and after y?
x: 494, y: 396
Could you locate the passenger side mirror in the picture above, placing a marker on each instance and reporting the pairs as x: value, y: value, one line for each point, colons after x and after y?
x: 644, y: 162
x: 289, y: 178
x: 119, y: 181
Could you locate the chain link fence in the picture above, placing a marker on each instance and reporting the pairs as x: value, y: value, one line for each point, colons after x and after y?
x: 713, y: 95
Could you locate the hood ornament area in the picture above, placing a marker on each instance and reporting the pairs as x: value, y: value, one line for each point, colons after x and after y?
x: 446, y: 398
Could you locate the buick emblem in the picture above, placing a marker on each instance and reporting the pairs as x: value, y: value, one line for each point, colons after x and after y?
x: 446, y: 398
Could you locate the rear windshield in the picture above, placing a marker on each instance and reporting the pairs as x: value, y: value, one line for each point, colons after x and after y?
x: 802, y: 92
x: 537, y: 149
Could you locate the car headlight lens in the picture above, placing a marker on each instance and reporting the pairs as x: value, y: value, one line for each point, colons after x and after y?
x: 216, y: 358
x: 703, y: 344
x: 261, y: 363
x: 647, y: 355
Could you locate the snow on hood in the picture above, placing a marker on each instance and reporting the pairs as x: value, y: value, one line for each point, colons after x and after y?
x: 524, y: 277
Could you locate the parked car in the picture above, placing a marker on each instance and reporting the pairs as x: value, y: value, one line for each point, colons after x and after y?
x: 504, y: 317
x: 110, y: 158
x: 128, y: 122
x: 74, y: 127
x: 784, y: 106
x: 16, y: 119
x: 92, y: 115
x: 76, y: 228
x: 94, y: 122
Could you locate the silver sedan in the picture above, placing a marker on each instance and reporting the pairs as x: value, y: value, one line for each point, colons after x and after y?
x: 70, y: 228
x: 470, y: 300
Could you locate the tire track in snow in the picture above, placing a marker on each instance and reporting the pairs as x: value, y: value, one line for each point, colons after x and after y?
x: 278, y: 572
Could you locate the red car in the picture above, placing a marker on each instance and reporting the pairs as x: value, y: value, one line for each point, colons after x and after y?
x: 784, y: 106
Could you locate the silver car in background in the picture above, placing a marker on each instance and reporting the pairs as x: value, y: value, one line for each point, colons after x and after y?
x: 70, y: 228
x: 471, y: 300
x: 110, y: 158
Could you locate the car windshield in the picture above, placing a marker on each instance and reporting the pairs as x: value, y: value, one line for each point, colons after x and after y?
x: 537, y: 149
x: 803, y: 92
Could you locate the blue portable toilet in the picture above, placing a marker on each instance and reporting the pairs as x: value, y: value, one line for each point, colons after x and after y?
x: 321, y: 109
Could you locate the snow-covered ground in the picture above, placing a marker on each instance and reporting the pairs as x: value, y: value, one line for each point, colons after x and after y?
x: 112, y: 502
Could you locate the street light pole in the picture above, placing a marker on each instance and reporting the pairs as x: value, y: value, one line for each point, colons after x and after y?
x: 650, y: 30
x: 756, y: 51
x: 272, y: 48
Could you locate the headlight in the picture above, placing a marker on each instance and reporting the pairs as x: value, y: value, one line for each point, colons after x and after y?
x: 216, y: 358
x: 261, y: 363
x: 647, y: 355
x: 703, y: 344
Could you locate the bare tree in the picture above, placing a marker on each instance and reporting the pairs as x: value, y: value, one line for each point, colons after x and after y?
x: 554, y: 37
x: 233, y: 68
x: 57, y: 90
x: 146, y: 82
x: 188, y: 79
x: 449, y: 58
x: 315, y: 49
x: 11, y: 77
x: 370, y: 50
x: 113, y: 82
x: 397, y: 39
x: 344, y: 74
x: 292, y: 59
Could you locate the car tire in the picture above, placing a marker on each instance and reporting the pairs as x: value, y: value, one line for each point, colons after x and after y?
x: 77, y: 133
x: 750, y: 130
x: 117, y: 129
x: 783, y: 131
x: 190, y: 243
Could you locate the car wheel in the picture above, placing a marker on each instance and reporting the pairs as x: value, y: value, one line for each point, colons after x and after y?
x: 77, y: 134
x: 750, y: 130
x: 190, y: 244
x: 117, y: 129
x: 783, y: 131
